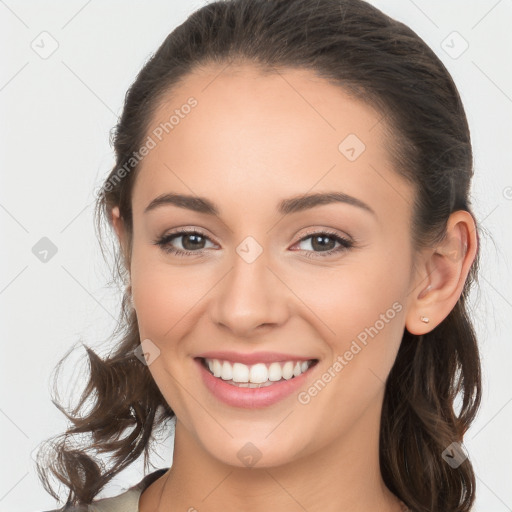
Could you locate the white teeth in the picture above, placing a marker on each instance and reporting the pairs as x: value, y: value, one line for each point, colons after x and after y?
x: 274, y: 372
x: 240, y: 372
x: 217, y: 368
x: 257, y: 375
x: 227, y: 371
x: 288, y: 370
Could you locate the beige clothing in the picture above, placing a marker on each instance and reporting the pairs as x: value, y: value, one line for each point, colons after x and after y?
x: 127, y: 501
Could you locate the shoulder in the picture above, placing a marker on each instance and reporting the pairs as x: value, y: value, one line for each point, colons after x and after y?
x: 128, y: 501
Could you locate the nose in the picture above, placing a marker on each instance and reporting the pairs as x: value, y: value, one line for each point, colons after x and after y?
x: 250, y: 298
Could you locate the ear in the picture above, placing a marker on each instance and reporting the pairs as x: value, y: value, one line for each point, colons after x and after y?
x: 441, y: 275
x: 118, y: 223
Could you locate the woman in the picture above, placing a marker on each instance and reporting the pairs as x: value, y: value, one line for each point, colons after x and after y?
x: 291, y: 203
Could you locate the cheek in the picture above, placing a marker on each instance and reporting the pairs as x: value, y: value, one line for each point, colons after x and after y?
x: 167, y: 296
x: 162, y: 298
x: 360, y: 309
x: 158, y: 292
x: 376, y: 309
x: 352, y: 296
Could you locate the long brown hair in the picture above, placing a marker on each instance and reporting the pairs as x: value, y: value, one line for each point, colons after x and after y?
x: 386, y: 64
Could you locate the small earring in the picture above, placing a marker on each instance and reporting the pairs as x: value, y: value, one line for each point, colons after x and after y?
x: 425, y: 319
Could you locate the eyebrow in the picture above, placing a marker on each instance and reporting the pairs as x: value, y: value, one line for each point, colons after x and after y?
x: 286, y: 206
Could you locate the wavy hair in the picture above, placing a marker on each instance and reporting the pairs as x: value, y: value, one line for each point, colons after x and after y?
x: 388, y: 66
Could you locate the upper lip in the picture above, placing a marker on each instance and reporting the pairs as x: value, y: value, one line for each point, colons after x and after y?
x: 253, y: 357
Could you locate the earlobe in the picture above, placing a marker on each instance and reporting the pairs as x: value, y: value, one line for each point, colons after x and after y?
x: 440, y: 278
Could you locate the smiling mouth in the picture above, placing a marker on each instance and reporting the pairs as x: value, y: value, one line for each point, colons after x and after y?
x: 257, y: 375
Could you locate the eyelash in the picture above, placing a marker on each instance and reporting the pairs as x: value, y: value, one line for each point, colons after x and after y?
x: 164, y: 243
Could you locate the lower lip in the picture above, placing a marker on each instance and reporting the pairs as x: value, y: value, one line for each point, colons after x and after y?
x: 251, y: 398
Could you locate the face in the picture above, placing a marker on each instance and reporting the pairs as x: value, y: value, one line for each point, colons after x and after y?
x: 327, y: 281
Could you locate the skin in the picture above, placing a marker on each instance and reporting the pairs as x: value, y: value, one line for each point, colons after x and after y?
x: 252, y: 141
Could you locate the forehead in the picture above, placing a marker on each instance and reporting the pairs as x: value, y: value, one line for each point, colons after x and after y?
x: 265, y: 136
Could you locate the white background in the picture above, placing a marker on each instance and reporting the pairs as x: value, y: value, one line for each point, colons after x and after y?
x: 56, y: 114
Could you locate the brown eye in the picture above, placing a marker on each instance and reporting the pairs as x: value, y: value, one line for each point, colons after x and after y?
x: 323, y: 244
x: 191, y: 241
